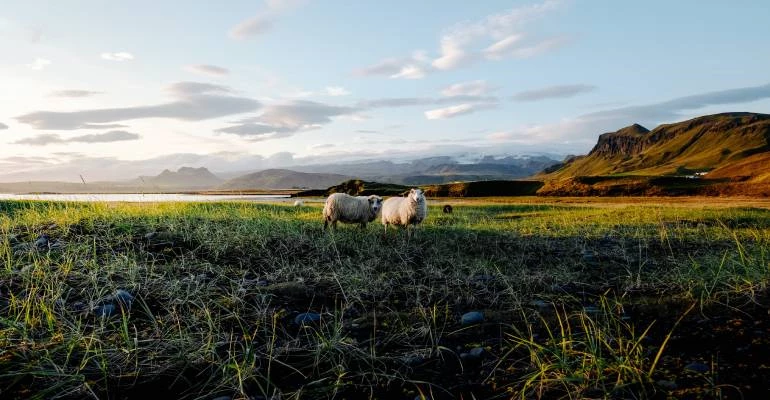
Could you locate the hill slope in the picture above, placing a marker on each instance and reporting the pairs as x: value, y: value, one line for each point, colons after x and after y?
x: 283, y: 179
x: 714, y: 154
x: 698, y: 145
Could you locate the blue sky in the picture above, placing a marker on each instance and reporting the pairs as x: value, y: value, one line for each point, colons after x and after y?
x: 111, y: 90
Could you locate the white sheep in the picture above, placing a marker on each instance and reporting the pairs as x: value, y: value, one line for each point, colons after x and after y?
x: 405, y: 211
x: 299, y: 203
x: 351, y: 209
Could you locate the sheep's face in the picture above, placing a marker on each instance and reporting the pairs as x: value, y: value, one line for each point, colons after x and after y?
x: 416, y: 195
x: 375, y: 203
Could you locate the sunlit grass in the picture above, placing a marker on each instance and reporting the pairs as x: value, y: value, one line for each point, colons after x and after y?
x: 217, y: 287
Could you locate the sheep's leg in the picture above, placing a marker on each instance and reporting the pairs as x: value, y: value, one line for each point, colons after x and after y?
x: 363, y: 225
x: 326, y: 223
x: 334, y: 225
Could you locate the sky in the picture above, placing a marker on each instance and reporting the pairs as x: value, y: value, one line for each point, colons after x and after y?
x: 113, y: 90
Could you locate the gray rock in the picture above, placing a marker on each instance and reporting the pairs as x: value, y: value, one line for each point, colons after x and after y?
x: 42, y: 242
x: 307, y: 318
x: 471, y: 318
x: 105, y: 310
x: 540, y: 304
x: 124, y: 298
x: 668, y: 385
x: 697, y: 367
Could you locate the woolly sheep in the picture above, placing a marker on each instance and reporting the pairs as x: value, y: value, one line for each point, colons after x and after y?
x: 299, y: 203
x: 351, y: 209
x: 405, y: 211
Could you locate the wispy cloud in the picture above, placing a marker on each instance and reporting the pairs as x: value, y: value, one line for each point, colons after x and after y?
x: 457, y: 110
x: 107, y: 137
x: 39, y: 64
x: 207, y: 69
x: 336, y: 91
x: 494, y: 37
x: 194, y: 101
x: 253, y: 26
x: 583, y: 129
x: 264, y: 20
x: 553, y: 92
x: 320, y: 146
x: 3, y: 126
x: 394, y: 102
x: 118, y: 56
x: 673, y: 108
x: 472, y: 88
x: 414, y: 67
x: 74, y: 93
x: 286, y: 119
x: 459, y: 44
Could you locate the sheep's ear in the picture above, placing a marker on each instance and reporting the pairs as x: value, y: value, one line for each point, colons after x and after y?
x: 371, y: 200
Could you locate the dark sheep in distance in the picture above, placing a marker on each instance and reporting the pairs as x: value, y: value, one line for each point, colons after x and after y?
x: 447, y: 209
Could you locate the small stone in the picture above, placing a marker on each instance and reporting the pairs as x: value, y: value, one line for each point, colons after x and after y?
x: 477, y: 353
x: 124, y: 298
x: 263, y: 282
x: 697, y: 367
x: 105, y: 310
x: 414, y: 360
x: 78, y: 306
x: 668, y: 385
x: 540, y: 304
x: 471, y: 318
x: 307, y: 318
x: 42, y: 242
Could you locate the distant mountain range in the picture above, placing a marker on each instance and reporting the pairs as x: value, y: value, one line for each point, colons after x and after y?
x: 418, y: 172
x: 715, y: 154
x: 283, y: 179
x: 184, y: 177
x: 435, y: 170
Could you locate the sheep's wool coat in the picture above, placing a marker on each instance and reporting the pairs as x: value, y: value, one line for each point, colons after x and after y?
x: 404, y: 210
x: 348, y: 209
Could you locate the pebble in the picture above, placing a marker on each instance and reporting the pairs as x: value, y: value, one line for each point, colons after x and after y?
x: 540, y: 304
x: 124, y: 298
x: 307, y: 318
x: 42, y: 242
x: 668, y: 385
x: 476, y: 354
x: 105, y: 310
x: 697, y: 367
x: 473, y: 317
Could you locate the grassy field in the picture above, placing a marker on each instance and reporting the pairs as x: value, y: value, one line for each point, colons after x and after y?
x: 541, y: 298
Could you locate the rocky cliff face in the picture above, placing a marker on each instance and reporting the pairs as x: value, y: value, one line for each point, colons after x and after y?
x: 629, y: 140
